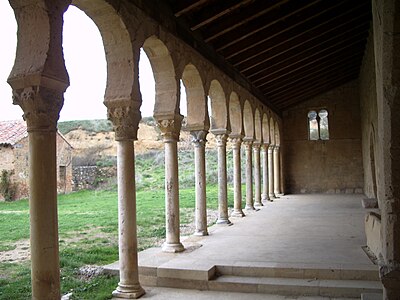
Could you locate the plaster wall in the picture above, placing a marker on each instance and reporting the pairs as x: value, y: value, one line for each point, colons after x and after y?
x: 331, y: 166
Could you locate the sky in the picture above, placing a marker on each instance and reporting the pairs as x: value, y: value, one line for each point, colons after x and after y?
x: 86, y: 65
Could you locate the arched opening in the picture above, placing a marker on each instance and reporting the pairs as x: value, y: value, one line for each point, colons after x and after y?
x: 196, y: 104
x: 218, y: 107
x: 272, y: 131
x: 248, y: 120
x: 313, y: 130
x: 166, y: 84
x: 265, y: 129
x: 147, y: 86
x: 8, y: 111
x: 86, y: 65
x: 258, y: 126
x: 235, y: 115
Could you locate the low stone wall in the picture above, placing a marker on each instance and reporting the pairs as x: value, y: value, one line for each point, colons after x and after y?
x: 91, y: 177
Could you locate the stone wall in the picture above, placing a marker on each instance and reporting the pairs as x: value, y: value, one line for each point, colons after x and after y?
x: 90, y: 177
x: 369, y: 121
x: 16, y: 158
x: 331, y: 166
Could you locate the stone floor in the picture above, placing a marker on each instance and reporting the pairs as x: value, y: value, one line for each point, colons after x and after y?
x: 295, y: 233
x: 160, y: 293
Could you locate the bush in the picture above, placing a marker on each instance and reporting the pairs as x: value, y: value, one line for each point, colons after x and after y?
x: 7, y: 187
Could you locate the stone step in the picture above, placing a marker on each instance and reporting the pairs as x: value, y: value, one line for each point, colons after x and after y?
x: 295, y: 287
x: 372, y: 296
x: 301, y: 272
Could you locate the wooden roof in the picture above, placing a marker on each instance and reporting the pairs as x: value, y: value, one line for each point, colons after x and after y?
x: 289, y: 50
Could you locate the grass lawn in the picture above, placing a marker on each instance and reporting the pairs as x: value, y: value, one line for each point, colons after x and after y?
x: 88, y: 225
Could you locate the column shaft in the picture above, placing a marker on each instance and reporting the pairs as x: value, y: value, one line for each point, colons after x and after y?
x: 249, y: 175
x: 199, y: 140
x: 237, y: 179
x: 172, y: 242
x: 271, y: 171
x: 128, y: 286
x: 222, y: 181
x: 257, y: 175
x: 43, y: 215
x: 277, y: 179
x: 265, y: 194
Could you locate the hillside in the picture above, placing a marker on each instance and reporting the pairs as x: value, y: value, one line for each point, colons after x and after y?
x: 96, y: 138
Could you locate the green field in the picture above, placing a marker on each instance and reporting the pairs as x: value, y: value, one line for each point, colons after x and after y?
x: 88, y: 225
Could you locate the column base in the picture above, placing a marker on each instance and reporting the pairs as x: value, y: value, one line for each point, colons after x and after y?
x: 224, y: 222
x: 272, y: 196
x: 128, y: 292
x: 237, y: 214
x: 201, y: 232
x: 258, y: 204
x: 265, y: 198
x: 172, y: 248
x: 249, y: 207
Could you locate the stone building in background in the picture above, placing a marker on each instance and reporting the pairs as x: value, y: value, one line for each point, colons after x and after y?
x: 14, y: 153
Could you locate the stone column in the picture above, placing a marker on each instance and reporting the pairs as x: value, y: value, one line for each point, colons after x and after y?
x: 39, y: 80
x: 257, y: 175
x: 271, y: 171
x: 249, y: 174
x: 199, y: 142
x: 265, y: 194
x: 125, y: 120
x: 170, y: 129
x: 277, y: 185
x: 41, y: 108
x: 222, y: 180
x: 237, y: 178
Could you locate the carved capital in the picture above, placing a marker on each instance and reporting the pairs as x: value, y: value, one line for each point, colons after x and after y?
x: 125, y: 117
x: 247, y: 144
x: 221, y: 139
x: 271, y: 148
x: 276, y: 148
x: 256, y: 147
x: 41, y: 107
x: 199, y: 137
x: 170, y: 128
x: 236, y: 141
x: 264, y: 147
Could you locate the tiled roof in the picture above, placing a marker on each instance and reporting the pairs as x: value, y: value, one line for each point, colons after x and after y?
x: 11, y: 132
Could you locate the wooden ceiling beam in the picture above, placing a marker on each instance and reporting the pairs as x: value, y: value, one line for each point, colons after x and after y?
x: 354, y: 59
x: 184, y: 8
x: 305, y: 94
x: 308, y: 18
x: 339, y: 53
x: 286, y: 53
x: 264, y: 22
x: 240, y: 18
x: 310, y: 81
x: 317, y: 50
x: 288, y: 41
x: 226, y: 8
x: 338, y: 71
x: 315, y: 53
x: 321, y: 84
